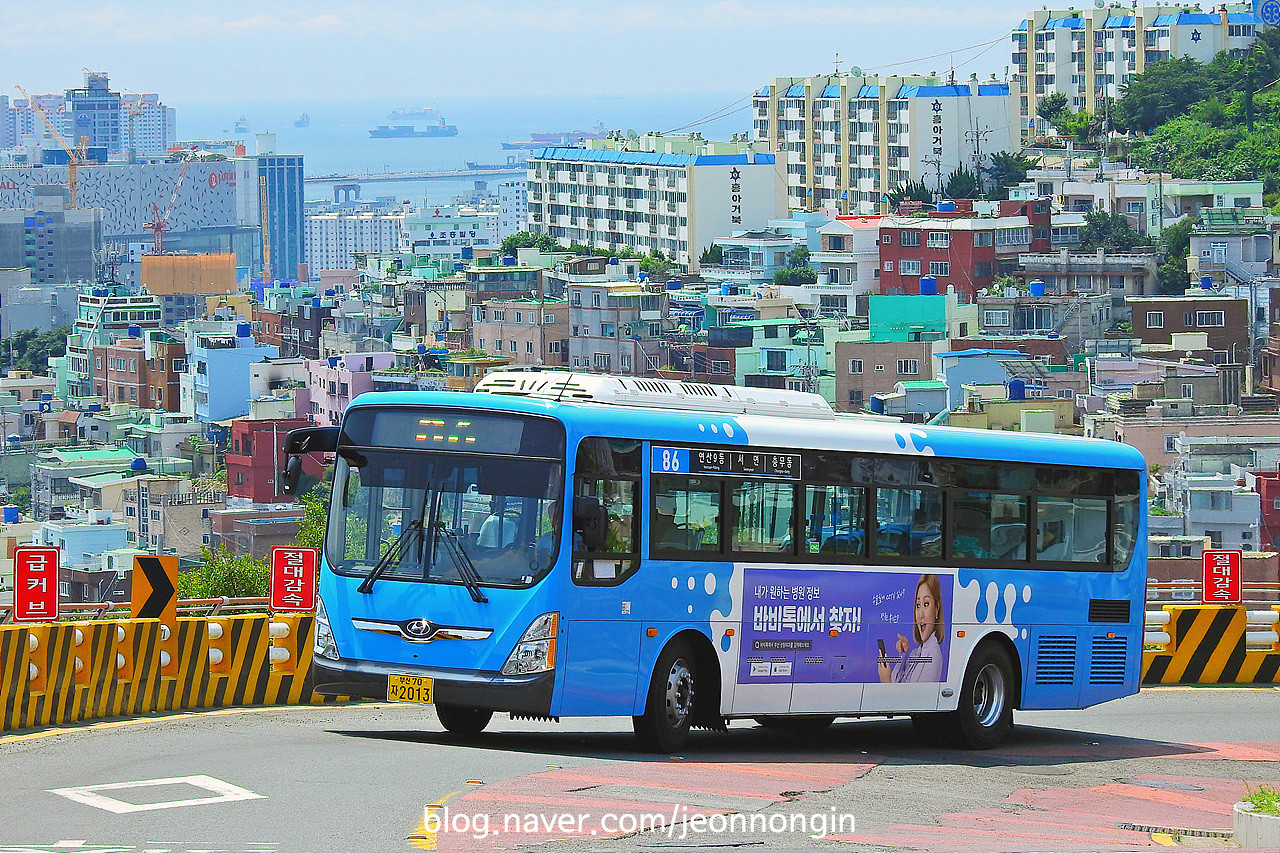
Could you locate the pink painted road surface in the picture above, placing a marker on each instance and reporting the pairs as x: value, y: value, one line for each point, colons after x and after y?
x: 1123, y: 815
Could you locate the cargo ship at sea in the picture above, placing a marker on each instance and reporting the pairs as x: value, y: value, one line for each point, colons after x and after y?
x: 303, y: 120
x: 559, y: 139
x: 408, y: 131
x: 415, y: 114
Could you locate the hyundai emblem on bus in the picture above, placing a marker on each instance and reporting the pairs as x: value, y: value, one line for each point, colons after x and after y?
x: 419, y: 629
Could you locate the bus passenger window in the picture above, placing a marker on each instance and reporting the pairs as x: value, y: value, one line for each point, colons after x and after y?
x: 608, y: 469
x: 986, y: 526
x: 1125, y: 519
x: 762, y: 515
x: 1071, y: 530
x: 908, y: 523
x: 685, y: 515
x: 834, y: 520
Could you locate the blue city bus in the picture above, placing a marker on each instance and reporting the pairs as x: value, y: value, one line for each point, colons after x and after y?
x: 561, y: 545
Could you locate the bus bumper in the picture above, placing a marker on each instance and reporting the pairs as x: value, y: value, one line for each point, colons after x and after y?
x: 520, y: 694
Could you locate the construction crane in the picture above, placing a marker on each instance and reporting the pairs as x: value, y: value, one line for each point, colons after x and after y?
x: 266, y: 238
x: 131, y: 112
x: 76, y: 157
x: 160, y: 221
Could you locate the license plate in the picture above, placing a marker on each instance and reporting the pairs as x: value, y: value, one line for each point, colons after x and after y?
x: 408, y: 688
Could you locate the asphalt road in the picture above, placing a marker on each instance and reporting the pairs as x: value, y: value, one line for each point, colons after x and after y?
x: 1154, y: 769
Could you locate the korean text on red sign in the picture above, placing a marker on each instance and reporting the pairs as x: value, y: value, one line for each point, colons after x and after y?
x: 1220, y: 582
x: 35, y: 583
x: 293, y: 578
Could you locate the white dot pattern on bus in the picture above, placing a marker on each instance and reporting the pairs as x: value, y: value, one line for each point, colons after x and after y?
x: 675, y: 583
x: 728, y: 430
x: 710, y: 583
x: 693, y: 584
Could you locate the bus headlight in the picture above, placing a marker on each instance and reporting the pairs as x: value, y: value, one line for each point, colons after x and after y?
x: 324, y: 645
x: 536, y: 651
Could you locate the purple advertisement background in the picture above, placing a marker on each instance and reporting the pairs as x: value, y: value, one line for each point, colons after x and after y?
x: 788, y: 616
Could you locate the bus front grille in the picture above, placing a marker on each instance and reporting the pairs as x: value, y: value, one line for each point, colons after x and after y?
x: 1056, y: 660
x: 1107, y: 661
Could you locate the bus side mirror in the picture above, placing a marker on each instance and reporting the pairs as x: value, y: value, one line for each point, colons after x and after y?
x: 290, y: 476
x: 591, y: 522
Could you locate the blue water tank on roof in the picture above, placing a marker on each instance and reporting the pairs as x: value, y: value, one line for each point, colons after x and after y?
x: 315, y: 302
x: 138, y: 464
x: 928, y: 285
x: 613, y: 262
x: 244, y: 330
x: 1017, y: 389
x: 1036, y: 287
x: 946, y: 206
x: 135, y: 331
x: 468, y: 252
x: 11, y: 515
x: 1206, y: 282
x: 422, y: 349
x: 508, y: 260
x: 876, y: 404
x: 673, y: 285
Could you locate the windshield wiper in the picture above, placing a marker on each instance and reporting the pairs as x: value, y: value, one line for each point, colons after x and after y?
x: 466, y: 569
x: 393, y: 555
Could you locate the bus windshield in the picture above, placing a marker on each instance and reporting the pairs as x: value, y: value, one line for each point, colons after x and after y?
x: 445, y: 518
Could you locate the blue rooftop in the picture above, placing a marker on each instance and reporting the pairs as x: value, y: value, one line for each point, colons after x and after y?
x: 1242, y: 18
x: 1064, y: 24
x: 971, y: 353
x: 869, y: 92
x: 831, y: 91
x: 636, y: 158
x: 796, y: 91
x: 733, y: 160
x: 1119, y: 22
x: 946, y: 91
x: 764, y: 93
x: 1194, y: 18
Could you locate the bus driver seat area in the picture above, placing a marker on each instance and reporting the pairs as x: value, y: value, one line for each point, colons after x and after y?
x: 667, y: 534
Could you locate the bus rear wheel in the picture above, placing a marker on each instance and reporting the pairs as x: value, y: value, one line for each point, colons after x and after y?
x: 984, y: 717
x: 463, y: 721
x: 668, y: 710
x: 808, y: 724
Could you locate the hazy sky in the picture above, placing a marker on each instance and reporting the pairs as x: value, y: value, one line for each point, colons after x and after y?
x: 269, y: 50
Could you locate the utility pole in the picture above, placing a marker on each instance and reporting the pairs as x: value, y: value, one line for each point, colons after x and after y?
x: 936, y: 162
x: 977, y: 136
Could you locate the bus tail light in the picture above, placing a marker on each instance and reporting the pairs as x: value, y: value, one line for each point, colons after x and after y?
x: 324, y: 645
x: 536, y: 651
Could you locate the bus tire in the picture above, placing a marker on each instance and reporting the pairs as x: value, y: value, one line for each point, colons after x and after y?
x: 669, y: 706
x: 984, y: 716
x: 463, y: 721
x: 806, y: 724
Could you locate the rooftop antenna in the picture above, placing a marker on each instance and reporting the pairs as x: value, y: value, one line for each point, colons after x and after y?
x: 837, y: 63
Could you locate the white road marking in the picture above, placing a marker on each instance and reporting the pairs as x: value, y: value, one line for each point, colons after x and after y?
x: 224, y: 792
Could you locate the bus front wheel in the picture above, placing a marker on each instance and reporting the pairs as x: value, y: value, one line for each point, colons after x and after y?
x: 463, y: 721
x: 984, y: 717
x: 668, y: 710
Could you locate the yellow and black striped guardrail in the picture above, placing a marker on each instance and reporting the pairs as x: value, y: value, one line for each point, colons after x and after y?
x: 65, y: 672
x: 1212, y: 644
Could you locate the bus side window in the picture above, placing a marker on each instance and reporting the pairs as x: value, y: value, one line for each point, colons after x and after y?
x: 1071, y: 530
x: 908, y: 523
x: 835, y: 517
x: 988, y: 526
x: 762, y: 517
x: 685, y: 516
x: 608, y: 469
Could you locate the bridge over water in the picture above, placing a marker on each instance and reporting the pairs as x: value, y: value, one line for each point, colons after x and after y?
x: 415, y: 175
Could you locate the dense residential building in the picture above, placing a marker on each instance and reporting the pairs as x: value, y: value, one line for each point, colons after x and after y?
x: 104, y: 315
x: 93, y: 114
x: 955, y: 248
x: 1118, y: 274
x: 147, y: 126
x: 144, y: 371
x: 668, y: 194
x: 255, y: 458
x: 216, y: 384
x: 1090, y: 55
x: 451, y: 233
x: 1073, y: 317
x: 848, y: 139
x: 333, y: 235
x: 530, y: 331
x: 849, y: 254
x: 1224, y: 319
x: 336, y: 381
x: 167, y: 514
x: 56, y: 244
x: 616, y: 326
x: 513, y: 208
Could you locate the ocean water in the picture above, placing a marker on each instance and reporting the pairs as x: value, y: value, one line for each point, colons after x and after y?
x: 338, y: 141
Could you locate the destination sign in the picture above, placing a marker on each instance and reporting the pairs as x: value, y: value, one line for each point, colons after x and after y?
x: 751, y: 463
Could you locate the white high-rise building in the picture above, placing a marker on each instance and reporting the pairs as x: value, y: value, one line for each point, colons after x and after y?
x: 513, y: 208
x: 1089, y: 55
x: 850, y: 139
x: 154, y: 125
x: 332, y: 236
x: 669, y: 194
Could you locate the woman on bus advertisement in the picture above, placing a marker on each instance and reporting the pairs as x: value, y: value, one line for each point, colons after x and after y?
x: 922, y: 658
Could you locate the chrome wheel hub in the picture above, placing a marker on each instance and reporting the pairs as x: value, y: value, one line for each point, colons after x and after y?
x: 679, y: 693
x: 989, y: 695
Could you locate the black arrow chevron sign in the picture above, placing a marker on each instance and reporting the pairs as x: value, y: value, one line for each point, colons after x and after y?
x: 155, y: 582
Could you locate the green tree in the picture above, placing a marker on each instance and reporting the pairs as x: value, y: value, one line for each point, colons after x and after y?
x: 21, y: 498
x: 1007, y: 169
x: 655, y: 264
x: 1164, y: 91
x: 910, y: 191
x: 529, y: 240
x: 798, y: 257
x: 794, y: 275
x: 713, y: 255
x: 31, y: 349
x: 961, y: 184
x: 1051, y: 106
x: 1176, y: 240
x: 1110, y: 231
x: 224, y: 573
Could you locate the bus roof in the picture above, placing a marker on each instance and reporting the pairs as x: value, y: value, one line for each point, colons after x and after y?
x: 792, y: 431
